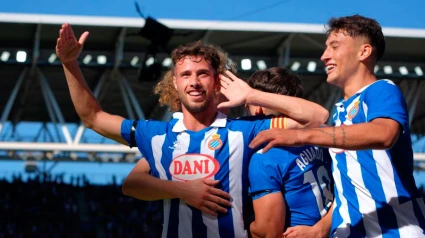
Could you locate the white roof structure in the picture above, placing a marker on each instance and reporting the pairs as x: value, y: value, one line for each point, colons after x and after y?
x: 33, y: 87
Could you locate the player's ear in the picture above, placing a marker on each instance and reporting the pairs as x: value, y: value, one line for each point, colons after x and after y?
x: 175, y: 82
x: 259, y: 111
x: 365, y: 52
x: 217, y: 82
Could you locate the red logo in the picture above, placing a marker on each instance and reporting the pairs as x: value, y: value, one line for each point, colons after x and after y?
x: 193, y: 166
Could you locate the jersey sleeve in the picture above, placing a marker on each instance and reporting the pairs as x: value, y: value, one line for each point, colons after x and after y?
x: 385, y: 100
x: 266, y: 173
x: 139, y: 133
x: 265, y: 123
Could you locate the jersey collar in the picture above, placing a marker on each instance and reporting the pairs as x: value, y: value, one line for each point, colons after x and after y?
x: 220, y: 121
x: 340, y: 103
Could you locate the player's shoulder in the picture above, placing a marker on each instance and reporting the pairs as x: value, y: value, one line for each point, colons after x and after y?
x: 155, y: 126
x: 248, y: 119
x: 382, y: 85
x: 245, y: 123
x: 275, y: 156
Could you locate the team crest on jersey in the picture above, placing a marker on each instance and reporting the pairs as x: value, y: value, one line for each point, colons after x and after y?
x: 193, y: 166
x: 215, y: 143
x: 352, y: 112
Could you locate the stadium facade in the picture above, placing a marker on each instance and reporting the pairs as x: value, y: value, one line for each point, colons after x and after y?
x: 122, y: 59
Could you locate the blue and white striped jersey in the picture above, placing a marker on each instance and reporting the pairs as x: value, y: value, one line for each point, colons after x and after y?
x: 375, y: 192
x: 303, y: 176
x: 219, y: 152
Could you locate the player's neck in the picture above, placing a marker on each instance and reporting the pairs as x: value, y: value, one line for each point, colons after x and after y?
x: 357, y: 81
x: 200, y: 120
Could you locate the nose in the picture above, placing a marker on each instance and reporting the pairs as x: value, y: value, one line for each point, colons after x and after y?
x: 325, y: 56
x: 194, y: 81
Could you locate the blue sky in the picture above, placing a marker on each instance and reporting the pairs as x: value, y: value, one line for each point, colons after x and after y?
x: 390, y: 13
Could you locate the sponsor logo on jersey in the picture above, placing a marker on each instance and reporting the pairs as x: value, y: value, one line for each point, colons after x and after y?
x: 193, y: 166
x: 176, y: 145
x: 215, y: 143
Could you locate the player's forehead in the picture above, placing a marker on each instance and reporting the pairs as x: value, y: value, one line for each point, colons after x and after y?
x: 336, y: 36
x: 341, y: 36
x: 192, y: 62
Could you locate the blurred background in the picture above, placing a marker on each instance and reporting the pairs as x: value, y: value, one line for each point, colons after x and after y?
x: 59, y: 179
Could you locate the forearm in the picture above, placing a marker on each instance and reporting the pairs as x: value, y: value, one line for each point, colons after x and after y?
x: 258, y: 230
x: 324, y: 225
x: 82, y: 97
x: 353, y: 137
x: 301, y: 110
x: 144, y: 186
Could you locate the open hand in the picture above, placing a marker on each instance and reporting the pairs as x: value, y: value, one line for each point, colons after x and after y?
x: 235, y: 89
x: 67, y: 47
x: 201, y: 194
x: 302, y: 232
x: 277, y: 137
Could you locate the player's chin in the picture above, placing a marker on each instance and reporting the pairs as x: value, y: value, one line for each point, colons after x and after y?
x: 196, y: 107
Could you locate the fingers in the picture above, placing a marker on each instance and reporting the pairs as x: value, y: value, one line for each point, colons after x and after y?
x: 260, y: 139
x: 210, y: 182
x: 231, y: 75
x: 289, y: 230
x: 58, y: 43
x: 224, y: 105
x: 214, y: 207
x: 270, y: 145
x: 65, y: 28
x: 83, y: 38
x: 69, y: 30
x: 208, y: 211
x: 225, y: 80
x: 62, y: 34
x: 219, y: 196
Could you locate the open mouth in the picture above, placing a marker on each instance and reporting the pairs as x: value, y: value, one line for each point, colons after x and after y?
x: 196, y: 94
x: 330, y: 67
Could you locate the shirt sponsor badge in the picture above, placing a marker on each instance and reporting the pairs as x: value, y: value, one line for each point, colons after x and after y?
x: 193, y: 166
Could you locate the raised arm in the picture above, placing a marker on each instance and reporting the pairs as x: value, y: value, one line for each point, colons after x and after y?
x: 88, y: 108
x: 199, y: 193
x: 238, y: 92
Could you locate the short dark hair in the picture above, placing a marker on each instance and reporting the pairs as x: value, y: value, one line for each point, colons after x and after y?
x: 358, y: 25
x: 276, y: 80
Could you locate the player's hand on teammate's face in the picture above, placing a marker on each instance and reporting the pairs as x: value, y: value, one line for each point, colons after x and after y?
x: 276, y: 137
x: 235, y: 90
x: 201, y: 194
x: 67, y: 46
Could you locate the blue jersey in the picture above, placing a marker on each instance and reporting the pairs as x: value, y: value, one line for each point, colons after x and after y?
x: 301, y: 174
x: 219, y: 152
x: 375, y: 192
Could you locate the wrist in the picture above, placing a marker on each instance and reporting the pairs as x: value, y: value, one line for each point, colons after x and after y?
x: 252, y: 97
x: 320, y: 230
x: 70, y: 64
x: 303, y: 136
x: 176, y: 189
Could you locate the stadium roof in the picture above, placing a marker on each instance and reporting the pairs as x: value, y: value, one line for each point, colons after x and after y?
x: 117, y: 40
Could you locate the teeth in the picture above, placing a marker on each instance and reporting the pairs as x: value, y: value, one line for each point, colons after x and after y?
x: 331, y: 67
x: 195, y: 93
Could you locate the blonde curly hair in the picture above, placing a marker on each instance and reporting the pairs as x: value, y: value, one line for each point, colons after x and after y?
x: 218, y: 59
